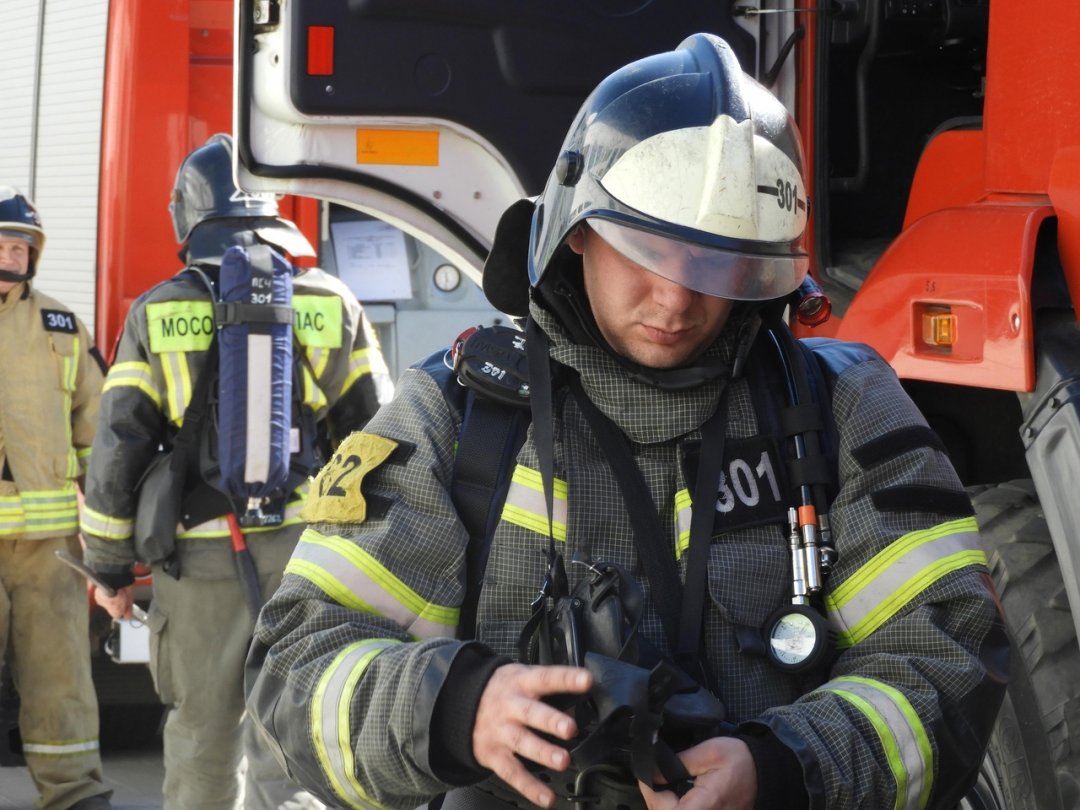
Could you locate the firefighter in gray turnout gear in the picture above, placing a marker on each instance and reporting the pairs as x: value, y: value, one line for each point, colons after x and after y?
x: 850, y: 645
x: 200, y: 624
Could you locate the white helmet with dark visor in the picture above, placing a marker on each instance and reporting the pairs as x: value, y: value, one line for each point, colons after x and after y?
x: 689, y: 168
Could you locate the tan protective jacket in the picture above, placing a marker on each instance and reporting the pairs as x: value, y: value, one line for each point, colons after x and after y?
x: 50, y: 386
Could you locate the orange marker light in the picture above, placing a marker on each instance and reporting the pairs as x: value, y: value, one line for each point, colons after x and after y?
x: 938, y: 326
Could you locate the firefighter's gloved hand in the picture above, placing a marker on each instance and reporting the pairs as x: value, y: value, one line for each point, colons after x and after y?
x: 120, y: 605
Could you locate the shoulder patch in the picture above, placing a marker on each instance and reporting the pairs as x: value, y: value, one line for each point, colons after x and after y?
x: 57, y: 320
x: 335, y: 496
x: 180, y: 326
x: 317, y: 321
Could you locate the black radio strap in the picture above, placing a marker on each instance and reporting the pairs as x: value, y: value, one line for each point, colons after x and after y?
x: 675, y: 608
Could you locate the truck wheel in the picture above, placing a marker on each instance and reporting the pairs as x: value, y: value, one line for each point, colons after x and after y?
x: 1033, y: 759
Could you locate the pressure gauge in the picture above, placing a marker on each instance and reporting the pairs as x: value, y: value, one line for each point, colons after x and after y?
x: 796, y: 638
x: 447, y: 277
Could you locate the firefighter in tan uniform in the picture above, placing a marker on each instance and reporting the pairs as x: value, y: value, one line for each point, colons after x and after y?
x: 199, y: 618
x: 50, y: 385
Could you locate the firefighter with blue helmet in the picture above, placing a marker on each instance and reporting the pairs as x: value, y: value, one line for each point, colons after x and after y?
x: 165, y: 375
x: 727, y: 569
x: 50, y: 384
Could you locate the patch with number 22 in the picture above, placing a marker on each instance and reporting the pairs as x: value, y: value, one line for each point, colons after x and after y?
x: 335, y: 495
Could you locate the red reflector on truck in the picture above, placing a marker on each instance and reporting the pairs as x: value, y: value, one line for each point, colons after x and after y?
x: 320, y: 50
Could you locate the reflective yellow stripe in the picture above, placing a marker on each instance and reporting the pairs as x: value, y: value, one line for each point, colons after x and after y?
x: 318, y: 359
x: 683, y: 514
x: 219, y: 527
x: 901, y: 733
x: 359, y: 365
x: 12, y: 519
x: 886, y: 584
x: 317, y: 320
x: 105, y: 526
x: 353, y: 578
x: 71, y: 369
x: 314, y: 398
x: 133, y: 374
x: 525, y: 505
x: 179, y: 326
x: 61, y: 748
x: 331, y: 732
x: 50, y: 510
x: 174, y: 365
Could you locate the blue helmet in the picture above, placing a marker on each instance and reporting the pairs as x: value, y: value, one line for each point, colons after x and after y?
x: 207, y: 206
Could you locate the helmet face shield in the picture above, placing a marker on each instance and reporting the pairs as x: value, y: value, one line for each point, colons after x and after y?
x: 720, y: 271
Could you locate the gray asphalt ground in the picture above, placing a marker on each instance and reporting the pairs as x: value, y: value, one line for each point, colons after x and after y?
x: 134, y: 776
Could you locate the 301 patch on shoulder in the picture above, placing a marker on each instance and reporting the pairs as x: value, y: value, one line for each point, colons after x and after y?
x: 335, y: 496
x: 56, y: 320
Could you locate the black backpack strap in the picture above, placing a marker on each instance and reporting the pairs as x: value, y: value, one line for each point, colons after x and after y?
x: 492, y: 432
x: 491, y: 435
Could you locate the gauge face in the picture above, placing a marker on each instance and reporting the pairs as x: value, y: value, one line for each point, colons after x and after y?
x: 447, y: 277
x: 793, y: 639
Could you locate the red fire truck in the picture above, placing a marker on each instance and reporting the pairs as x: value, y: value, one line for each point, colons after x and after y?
x: 944, y: 145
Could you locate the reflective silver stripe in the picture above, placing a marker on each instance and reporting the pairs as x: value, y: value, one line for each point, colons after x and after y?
x: 330, y: 730
x: 525, y: 505
x: 258, y: 422
x: 177, y: 384
x: 897, y: 574
x: 318, y: 358
x: 50, y: 510
x: 219, y: 527
x: 12, y: 518
x: 903, y: 738
x: 101, y: 525
x: 133, y: 374
x: 355, y: 579
x: 358, y: 367
x: 60, y: 749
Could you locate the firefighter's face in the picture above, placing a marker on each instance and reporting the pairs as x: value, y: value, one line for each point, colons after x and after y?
x: 14, y: 258
x: 644, y: 316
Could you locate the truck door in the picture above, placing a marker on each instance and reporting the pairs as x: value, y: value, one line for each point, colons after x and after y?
x: 433, y: 118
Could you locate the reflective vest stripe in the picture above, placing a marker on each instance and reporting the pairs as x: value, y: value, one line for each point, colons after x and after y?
x: 177, y: 385
x: 353, y: 578
x: 318, y: 359
x: 330, y: 730
x: 107, y: 526
x: 886, y: 584
x: 683, y: 514
x: 12, y: 519
x: 219, y: 527
x: 70, y: 372
x: 900, y: 732
x: 525, y: 505
x: 43, y: 512
x: 359, y: 365
x: 60, y: 749
x: 314, y: 398
x: 134, y: 375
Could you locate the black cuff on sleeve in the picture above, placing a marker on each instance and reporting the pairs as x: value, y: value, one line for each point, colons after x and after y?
x: 116, y: 581
x: 454, y: 716
x: 779, y: 775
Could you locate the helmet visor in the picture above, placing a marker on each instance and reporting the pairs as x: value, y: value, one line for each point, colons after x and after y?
x: 723, y: 272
